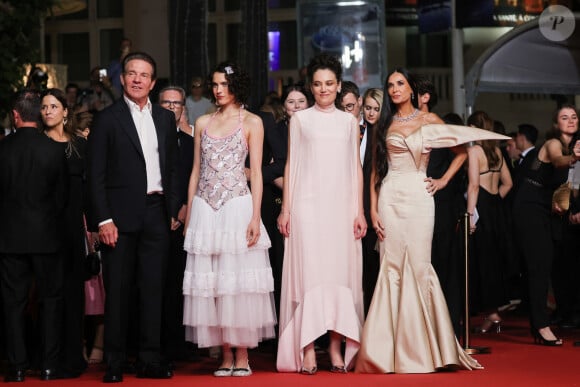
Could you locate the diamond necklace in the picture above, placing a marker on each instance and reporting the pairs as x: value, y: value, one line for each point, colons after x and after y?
x: 397, y: 117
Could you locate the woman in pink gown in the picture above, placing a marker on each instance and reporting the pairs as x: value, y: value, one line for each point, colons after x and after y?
x: 323, y: 221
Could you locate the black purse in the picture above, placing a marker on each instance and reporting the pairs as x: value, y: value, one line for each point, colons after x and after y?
x: 92, y: 262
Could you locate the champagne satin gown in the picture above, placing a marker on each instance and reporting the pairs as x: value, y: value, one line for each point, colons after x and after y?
x: 408, y: 329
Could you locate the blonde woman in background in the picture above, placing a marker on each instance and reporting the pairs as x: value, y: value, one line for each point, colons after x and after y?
x: 372, y: 103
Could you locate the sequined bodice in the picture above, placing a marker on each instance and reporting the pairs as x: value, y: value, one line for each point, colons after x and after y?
x: 222, y: 175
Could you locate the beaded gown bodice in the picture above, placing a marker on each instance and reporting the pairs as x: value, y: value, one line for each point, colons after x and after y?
x: 222, y: 175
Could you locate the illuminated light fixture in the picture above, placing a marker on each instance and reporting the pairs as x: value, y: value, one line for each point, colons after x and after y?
x: 349, y: 3
x: 65, y: 7
x: 346, y: 61
x: 355, y: 54
x: 357, y: 51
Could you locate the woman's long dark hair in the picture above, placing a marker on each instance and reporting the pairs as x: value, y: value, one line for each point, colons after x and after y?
x: 299, y: 87
x: 480, y: 119
x: 70, y: 124
x: 388, y: 109
x: 238, y: 81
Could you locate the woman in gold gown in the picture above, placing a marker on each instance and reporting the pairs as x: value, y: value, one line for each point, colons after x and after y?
x: 408, y: 329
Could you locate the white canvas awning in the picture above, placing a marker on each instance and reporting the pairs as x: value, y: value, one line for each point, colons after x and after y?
x: 524, y: 61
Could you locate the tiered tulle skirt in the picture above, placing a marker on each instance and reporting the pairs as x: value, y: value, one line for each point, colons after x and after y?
x: 227, y: 287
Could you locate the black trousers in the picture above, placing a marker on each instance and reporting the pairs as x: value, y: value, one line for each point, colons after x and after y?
x: 270, y: 210
x: 73, y: 312
x: 566, y: 272
x: 447, y: 259
x: 371, y: 266
x: 138, y: 258
x: 173, y: 331
x: 533, y: 230
x: 16, y: 274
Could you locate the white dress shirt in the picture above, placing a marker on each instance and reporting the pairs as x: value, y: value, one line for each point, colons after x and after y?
x: 148, y: 137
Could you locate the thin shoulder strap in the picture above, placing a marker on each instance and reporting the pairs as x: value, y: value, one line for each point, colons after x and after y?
x: 209, y: 122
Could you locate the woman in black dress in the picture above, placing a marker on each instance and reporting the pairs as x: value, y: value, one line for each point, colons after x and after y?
x: 59, y: 126
x: 489, y: 183
x: 539, y: 174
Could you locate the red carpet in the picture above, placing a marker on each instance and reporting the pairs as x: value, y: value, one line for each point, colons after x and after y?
x: 513, y: 361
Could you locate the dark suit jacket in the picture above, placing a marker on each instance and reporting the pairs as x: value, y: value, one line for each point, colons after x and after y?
x: 185, y: 142
x: 116, y: 173
x: 522, y: 170
x: 33, y: 193
x: 275, y: 148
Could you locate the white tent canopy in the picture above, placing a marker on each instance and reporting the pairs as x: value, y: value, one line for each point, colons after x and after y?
x: 524, y: 61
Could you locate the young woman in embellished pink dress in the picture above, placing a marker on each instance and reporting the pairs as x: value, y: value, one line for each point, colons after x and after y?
x: 227, y: 285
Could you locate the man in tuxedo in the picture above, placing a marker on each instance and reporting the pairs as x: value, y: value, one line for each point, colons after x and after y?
x: 526, y: 143
x: 525, y: 140
x: 33, y: 187
x: 173, y: 333
x: 134, y: 199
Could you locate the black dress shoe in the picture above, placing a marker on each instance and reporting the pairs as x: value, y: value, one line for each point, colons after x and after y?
x: 14, y: 375
x: 154, y: 371
x: 50, y: 374
x: 113, y: 376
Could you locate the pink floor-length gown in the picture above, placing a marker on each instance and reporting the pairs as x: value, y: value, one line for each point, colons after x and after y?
x: 322, y: 272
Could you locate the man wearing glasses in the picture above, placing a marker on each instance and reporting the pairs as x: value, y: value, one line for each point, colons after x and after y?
x: 173, y: 337
x: 196, y: 104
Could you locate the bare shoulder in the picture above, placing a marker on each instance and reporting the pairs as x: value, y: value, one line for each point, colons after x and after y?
x: 252, y: 121
x: 202, y: 121
x: 553, y: 142
x: 553, y: 146
x: 475, y: 149
x: 432, y: 118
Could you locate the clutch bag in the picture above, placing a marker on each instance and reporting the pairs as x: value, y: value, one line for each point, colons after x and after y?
x: 561, y: 196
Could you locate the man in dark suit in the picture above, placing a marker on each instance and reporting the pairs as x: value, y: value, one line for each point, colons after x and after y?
x: 526, y: 143
x: 525, y: 140
x: 33, y: 187
x: 134, y: 200
x: 173, y: 332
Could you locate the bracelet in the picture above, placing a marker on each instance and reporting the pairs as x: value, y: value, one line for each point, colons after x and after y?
x: 285, y: 211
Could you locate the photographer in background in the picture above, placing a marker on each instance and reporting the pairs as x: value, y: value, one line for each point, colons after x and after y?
x: 100, y: 93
